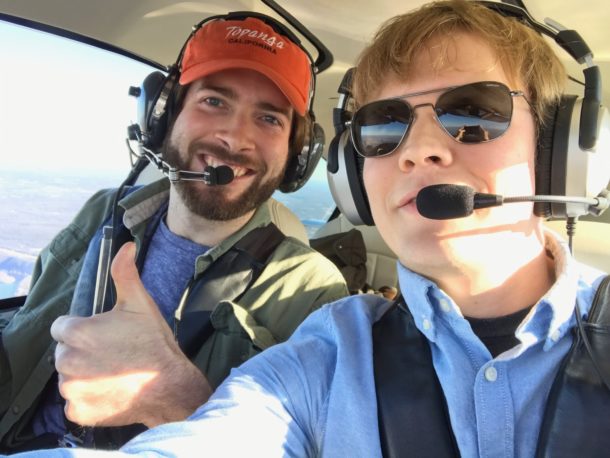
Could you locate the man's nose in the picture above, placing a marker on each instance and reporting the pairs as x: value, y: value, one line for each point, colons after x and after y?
x: 237, y: 132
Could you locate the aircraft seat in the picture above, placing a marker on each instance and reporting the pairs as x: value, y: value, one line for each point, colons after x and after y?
x: 380, y: 260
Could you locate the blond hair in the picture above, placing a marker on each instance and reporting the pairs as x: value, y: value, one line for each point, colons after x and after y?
x: 523, y: 53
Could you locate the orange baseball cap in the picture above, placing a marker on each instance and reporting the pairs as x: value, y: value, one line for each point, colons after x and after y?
x: 252, y: 44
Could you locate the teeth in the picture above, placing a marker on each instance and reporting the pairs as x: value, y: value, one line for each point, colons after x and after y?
x: 214, y: 162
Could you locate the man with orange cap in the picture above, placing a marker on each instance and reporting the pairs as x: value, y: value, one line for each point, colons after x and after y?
x: 239, y: 98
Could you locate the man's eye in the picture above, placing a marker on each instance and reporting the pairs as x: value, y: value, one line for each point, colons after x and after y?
x: 212, y: 101
x: 272, y: 120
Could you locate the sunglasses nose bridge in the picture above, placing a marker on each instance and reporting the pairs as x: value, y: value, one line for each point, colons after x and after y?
x: 421, y: 105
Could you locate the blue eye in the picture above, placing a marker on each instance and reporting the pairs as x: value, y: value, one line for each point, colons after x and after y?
x: 272, y: 120
x: 213, y: 101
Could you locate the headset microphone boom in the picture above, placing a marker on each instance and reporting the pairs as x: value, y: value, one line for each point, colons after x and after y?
x: 212, y: 176
x: 449, y: 201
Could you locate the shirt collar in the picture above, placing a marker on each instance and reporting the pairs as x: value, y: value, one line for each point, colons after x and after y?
x: 551, y: 317
x: 548, y: 320
x: 141, y: 204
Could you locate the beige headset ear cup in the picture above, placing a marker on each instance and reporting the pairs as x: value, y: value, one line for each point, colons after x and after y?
x: 557, y: 149
x: 344, y: 165
x: 344, y: 172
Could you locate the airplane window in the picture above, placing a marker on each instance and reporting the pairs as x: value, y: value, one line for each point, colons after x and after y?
x: 313, y: 203
x: 64, y: 109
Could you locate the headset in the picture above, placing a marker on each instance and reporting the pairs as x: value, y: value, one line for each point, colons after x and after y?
x: 159, y: 101
x: 573, y: 144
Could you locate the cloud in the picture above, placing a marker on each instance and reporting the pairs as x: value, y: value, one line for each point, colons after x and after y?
x: 6, y: 278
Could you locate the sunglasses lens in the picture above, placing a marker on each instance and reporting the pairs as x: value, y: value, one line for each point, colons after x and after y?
x: 475, y: 113
x: 379, y: 127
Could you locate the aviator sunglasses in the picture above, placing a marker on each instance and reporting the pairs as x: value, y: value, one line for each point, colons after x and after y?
x: 473, y: 113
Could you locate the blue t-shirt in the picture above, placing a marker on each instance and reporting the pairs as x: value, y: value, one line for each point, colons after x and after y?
x: 168, y: 267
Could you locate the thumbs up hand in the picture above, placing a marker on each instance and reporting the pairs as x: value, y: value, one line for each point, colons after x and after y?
x: 124, y: 366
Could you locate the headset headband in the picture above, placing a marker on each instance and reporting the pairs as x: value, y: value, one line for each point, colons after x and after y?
x: 571, y: 42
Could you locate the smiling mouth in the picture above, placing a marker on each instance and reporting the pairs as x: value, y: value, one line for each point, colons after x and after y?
x: 238, y: 171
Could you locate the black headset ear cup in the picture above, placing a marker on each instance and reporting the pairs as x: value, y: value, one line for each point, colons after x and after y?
x: 359, y: 191
x: 552, y: 157
x: 544, y: 155
x: 154, y: 103
x: 147, y: 95
x: 344, y: 172
x: 302, y: 164
x: 157, y: 118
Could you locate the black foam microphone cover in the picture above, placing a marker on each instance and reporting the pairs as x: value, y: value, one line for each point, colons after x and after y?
x: 220, y: 175
x: 445, y: 201
x: 224, y: 174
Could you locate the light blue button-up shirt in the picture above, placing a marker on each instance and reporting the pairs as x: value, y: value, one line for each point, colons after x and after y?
x: 315, y: 394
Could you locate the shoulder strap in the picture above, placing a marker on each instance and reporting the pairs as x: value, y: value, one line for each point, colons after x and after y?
x: 122, y: 235
x: 576, y: 420
x: 228, y: 278
x: 600, y: 309
x: 411, y: 407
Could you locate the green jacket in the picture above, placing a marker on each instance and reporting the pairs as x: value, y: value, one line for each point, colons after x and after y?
x: 296, y: 281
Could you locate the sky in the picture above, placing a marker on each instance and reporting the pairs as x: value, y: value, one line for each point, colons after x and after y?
x: 48, y: 87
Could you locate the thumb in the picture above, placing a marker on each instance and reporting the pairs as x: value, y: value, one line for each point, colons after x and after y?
x: 131, y: 294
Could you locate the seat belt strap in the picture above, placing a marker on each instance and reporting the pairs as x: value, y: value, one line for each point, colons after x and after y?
x: 411, y: 408
x: 576, y: 420
x: 227, y: 279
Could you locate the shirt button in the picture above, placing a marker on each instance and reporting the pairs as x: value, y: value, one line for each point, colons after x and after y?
x: 491, y: 374
x: 445, y: 307
x: 427, y: 325
x: 15, y: 409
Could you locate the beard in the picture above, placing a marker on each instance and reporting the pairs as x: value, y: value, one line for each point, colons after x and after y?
x: 211, y: 202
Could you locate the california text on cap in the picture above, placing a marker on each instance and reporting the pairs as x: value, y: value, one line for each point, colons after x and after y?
x: 252, y: 44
